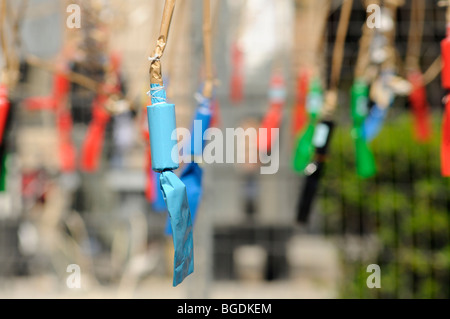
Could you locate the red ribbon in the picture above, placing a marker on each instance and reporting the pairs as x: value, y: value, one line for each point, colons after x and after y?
x: 67, y: 151
x: 445, y: 52
x: 93, y: 143
x: 61, y: 87
x: 4, y: 110
x: 273, y: 117
x: 236, y: 77
x: 445, y: 145
x: 300, y: 117
x: 271, y: 120
x: 420, y: 107
x: 216, y: 118
x: 445, y: 77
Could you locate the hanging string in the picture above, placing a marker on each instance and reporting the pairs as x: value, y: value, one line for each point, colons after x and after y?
x: 3, y: 42
x: 392, y: 6
x: 363, y: 59
x: 417, y: 22
x: 155, y: 66
x: 176, y: 32
x: 433, y: 71
x: 339, y: 45
x: 320, y: 45
x: 207, y: 50
x: 15, y: 21
x: 337, y: 58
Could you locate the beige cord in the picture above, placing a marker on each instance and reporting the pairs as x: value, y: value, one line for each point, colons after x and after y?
x: 177, y: 30
x: 74, y: 77
x: 207, y: 47
x: 155, y: 66
x: 433, y: 71
x: 337, y: 59
x: 321, y: 43
x: 417, y: 21
x: 3, y: 42
x: 363, y: 59
x: 392, y: 6
x: 339, y: 45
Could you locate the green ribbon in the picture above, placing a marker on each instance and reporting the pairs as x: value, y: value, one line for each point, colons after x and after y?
x: 365, y: 161
x: 304, y: 150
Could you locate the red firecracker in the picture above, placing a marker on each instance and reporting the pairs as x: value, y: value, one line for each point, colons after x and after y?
x: 67, y: 151
x: 420, y: 107
x: 445, y: 74
x: 272, y: 119
x: 300, y: 116
x: 445, y: 145
x: 93, y: 143
x: 4, y: 110
x: 236, y: 85
x: 216, y: 119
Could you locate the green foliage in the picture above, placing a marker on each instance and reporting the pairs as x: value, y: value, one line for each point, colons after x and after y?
x: 406, y: 206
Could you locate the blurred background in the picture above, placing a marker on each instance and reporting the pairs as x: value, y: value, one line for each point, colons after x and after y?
x: 56, y: 210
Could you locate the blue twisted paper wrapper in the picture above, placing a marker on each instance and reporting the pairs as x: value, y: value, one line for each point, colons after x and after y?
x: 174, y: 192
x: 175, y: 196
x: 191, y: 176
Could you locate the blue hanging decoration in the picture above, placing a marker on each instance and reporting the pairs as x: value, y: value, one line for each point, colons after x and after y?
x: 374, y: 122
x: 192, y: 173
x: 202, y: 121
x: 377, y: 114
x: 162, y: 124
x: 159, y: 204
x: 191, y: 176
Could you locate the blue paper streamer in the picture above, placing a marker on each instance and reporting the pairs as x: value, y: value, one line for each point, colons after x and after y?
x: 375, y: 119
x: 374, y: 122
x: 175, y: 195
x: 203, y: 117
x: 191, y: 176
